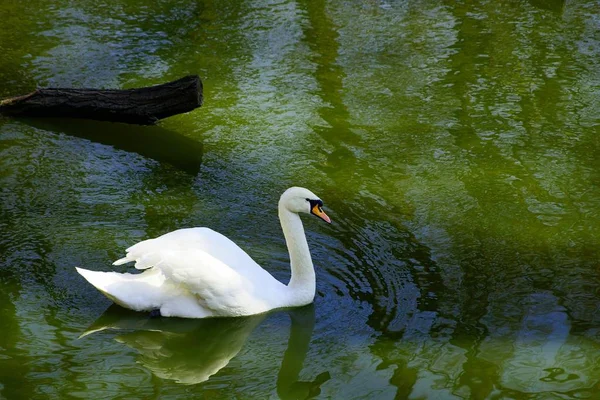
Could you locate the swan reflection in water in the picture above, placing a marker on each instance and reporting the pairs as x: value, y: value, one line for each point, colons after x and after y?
x: 190, y: 351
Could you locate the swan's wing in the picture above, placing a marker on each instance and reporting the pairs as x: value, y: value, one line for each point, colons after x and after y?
x: 205, y: 239
x: 217, y: 286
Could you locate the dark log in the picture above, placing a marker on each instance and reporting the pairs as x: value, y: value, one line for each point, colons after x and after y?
x: 143, y: 106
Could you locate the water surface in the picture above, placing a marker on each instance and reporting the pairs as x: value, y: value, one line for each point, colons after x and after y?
x: 455, y: 145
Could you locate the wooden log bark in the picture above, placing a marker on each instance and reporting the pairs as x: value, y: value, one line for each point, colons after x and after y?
x: 142, y: 106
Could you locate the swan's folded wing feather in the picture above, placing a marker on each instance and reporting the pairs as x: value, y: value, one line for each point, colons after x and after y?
x: 204, y: 239
x: 216, y: 285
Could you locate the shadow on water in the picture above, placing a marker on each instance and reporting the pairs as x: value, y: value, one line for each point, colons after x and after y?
x: 191, y: 351
x: 154, y: 142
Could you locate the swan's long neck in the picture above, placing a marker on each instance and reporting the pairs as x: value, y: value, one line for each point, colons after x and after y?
x: 302, y: 283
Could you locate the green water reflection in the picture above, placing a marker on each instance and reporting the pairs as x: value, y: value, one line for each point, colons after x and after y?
x: 455, y: 145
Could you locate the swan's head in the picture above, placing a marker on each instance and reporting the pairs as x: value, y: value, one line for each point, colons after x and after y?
x: 297, y: 199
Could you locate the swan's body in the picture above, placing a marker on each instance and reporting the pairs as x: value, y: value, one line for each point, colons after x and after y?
x: 199, y: 273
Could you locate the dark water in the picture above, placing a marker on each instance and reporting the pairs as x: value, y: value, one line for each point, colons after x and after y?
x: 455, y: 145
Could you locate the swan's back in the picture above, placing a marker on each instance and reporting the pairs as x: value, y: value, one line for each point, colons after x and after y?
x: 203, y: 239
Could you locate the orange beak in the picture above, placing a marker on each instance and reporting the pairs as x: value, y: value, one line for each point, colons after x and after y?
x: 318, y: 211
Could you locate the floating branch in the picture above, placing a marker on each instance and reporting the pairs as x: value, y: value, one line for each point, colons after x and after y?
x: 142, y: 106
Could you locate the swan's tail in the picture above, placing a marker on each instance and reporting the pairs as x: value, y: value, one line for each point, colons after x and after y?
x: 139, y: 292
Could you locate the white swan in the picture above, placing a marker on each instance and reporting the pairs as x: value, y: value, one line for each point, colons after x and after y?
x: 199, y: 273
